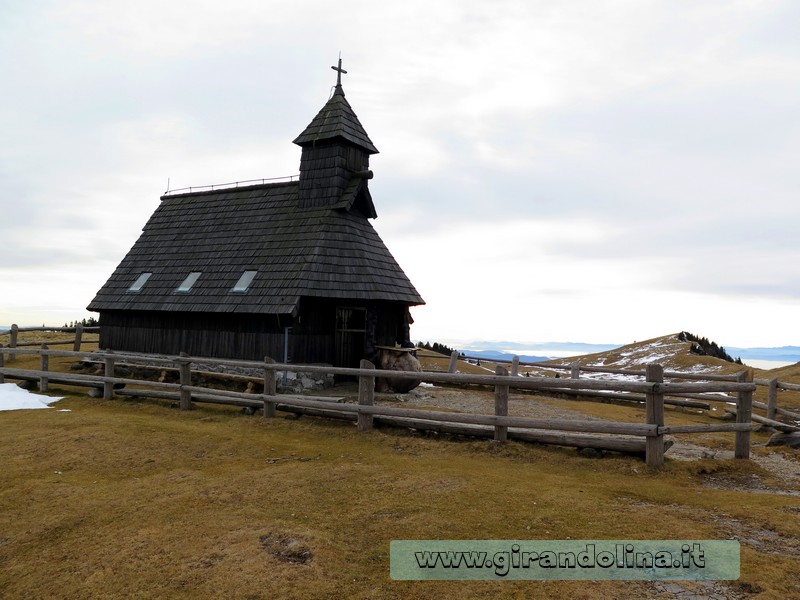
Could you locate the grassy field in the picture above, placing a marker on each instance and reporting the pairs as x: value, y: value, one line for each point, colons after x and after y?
x: 129, y: 498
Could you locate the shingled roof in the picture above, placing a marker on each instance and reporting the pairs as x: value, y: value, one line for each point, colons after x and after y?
x: 310, y: 238
x: 328, y: 252
x: 336, y: 120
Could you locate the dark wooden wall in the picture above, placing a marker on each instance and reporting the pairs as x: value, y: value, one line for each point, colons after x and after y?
x: 200, y: 334
x: 315, y: 337
x: 325, y: 171
x: 312, y: 339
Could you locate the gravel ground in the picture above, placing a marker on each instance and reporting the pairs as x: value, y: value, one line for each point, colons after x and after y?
x: 481, y: 401
x: 784, y: 467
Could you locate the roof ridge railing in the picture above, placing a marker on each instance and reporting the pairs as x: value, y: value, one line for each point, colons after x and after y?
x: 233, y: 184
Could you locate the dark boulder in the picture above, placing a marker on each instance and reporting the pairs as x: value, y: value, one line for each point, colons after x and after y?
x: 785, y: 439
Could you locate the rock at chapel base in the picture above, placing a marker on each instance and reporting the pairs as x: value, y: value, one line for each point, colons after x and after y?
x: 397, y: 361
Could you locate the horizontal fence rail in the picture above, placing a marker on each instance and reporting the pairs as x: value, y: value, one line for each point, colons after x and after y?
x: 646, y: 438
x: 76, y: 340
x: 773, y: 385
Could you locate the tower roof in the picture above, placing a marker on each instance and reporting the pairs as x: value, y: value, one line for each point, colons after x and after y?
x: 336, y: 120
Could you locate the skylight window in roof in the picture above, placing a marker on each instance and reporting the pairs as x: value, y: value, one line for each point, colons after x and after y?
x: 139, y: 283
x: 187, y: 284
x: 244, y: 281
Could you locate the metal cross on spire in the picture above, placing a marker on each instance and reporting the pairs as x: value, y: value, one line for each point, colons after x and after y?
x: 339, y: 71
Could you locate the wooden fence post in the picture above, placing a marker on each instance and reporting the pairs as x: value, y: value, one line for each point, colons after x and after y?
x: 500, y: 406
x: 108, y: 371
x: 772, y: 402
x: 76, y: 347
x: 366, y: 395
x: 270, y: 389
x: 451, y: 368
x: 12, y: 341
x: 654, y: 446
x: 515, y: 366
x: 575, y: 370
x: 185, y: 367
x: 744, y: 414
x: 44, y: 365
x: 2, y: 364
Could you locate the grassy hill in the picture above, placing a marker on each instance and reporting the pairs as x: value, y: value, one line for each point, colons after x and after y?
x: 668, y: 350
x: 134, y: 499
x: 787, y: 373
x: 131, y: 498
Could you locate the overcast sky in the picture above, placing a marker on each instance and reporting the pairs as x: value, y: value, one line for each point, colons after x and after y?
x: 599, y: 171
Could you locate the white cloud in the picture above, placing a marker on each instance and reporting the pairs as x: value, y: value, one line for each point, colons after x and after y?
x: 635, y: 157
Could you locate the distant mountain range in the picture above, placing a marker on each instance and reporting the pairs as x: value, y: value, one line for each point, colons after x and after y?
x: 530, y: 352
x: 497, y: 355
x: 574, y: 348
x: 784, y: 353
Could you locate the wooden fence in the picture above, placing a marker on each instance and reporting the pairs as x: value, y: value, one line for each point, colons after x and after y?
x: 773, y: 385
x: 76, y: 340
x: 646, y: 438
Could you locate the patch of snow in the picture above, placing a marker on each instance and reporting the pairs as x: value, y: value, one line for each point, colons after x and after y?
x: 13, y: 397
x: 611, y: 377
x: 658, y: 357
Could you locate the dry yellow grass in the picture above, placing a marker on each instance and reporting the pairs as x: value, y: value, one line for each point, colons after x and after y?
x: 135, y: 499
x: 45, y: 337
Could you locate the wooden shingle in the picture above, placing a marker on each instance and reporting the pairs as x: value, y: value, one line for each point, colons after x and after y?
x: 318, y: 252
x: 336, y: 120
